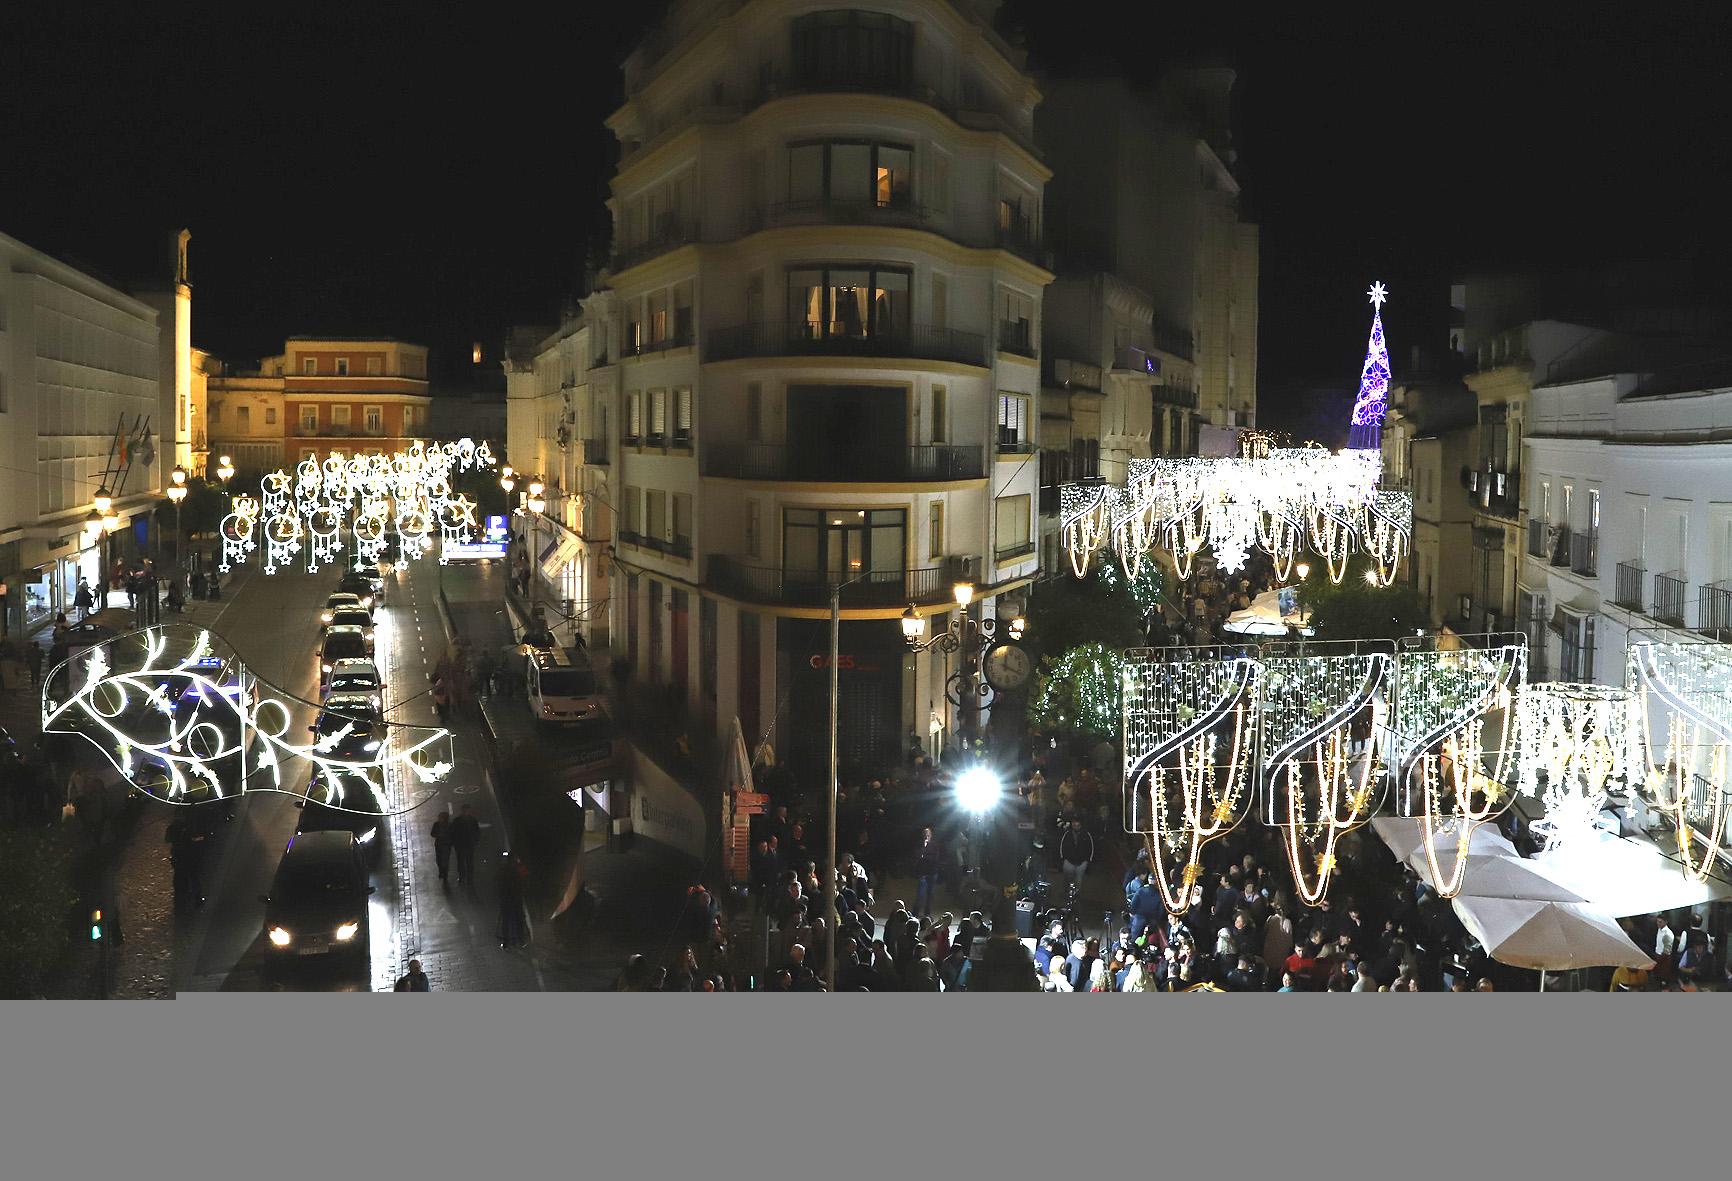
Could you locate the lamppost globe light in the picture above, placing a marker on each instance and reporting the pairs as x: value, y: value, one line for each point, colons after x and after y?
x: 977, y: 790
x: 913, y: 626
x: 506, y: 471
x: 1017, y: 626
x: 1302, y: 569
x: 104, y: 500
x: 964, y: 593
x: 112, y: 523
x: 535, y: 502
x: 507, y: 482
x: 92, y: 525
x: 176, y: 492
x: 225, y: 469
x: 178, y: 476
x: 536, y: 488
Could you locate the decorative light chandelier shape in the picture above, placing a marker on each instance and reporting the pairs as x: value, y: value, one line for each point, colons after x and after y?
x: 1324, y: 707
x: 1447, y: 772
x: 1576, y: 741
x: 369, y: 495
x: 186, y: 724
x: 1282, y: 500
x: 1190, y: 730
x: 1687, y: 688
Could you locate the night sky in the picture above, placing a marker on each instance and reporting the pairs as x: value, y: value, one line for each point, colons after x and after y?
x: 441, y: 179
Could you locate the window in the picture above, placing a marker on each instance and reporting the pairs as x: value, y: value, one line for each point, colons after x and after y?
x: 755, y: 299
x: 633, y: 416
x: 655, y: 508
x: 340, y: 415
x: 629, y: 510
x: 850, y: 173
x: 216, y: 412
x: 375, y: 416
x: 658, y: 415
x: 1593, y: 512
x: 940, y: 414
x: 411, y: 416
x: 683, y: 414
x: 754, y: 413
x: 375, y: 366
x: 310, y: 366
x: 1015, y: 322
x: 1011, y: 525
x: 1012, y: 422
x: 658, y: 317
x: 270, y: 416
x: 935, y: 529
x: 683, y: 314
x: 853, y: 50
x: 940, y: 302
x: 938, y: 190
x: 2, y: 393
x: 848, y: 303
x: 342, y: 366
x: 682, y: 522
x: 754, y: 526
x: 831, y: 544
x: 633, y: 335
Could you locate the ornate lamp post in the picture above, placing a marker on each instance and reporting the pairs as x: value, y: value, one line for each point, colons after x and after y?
x: 990, y: 663
x: 177, y: 493
x: 535, y: 502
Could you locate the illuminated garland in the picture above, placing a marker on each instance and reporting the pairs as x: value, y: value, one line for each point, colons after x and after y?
x: 409, y: 491
x: 170, y: 751
x: 1576, y: 740
x: 1690, y: 686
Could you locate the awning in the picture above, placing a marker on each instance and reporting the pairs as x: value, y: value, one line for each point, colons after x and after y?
x: 559, y: 553
x: 1625, y: 876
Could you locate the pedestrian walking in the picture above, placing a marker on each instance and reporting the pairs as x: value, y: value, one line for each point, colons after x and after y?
x: 513, y: 929
x: 441, y: 697
x: 414, y: 980
x: 1076, y: 849
x: 442, y: 843
x: 198, y: 584
x: 82, y: 600
x: 465, y: 835
x: 186, y: 840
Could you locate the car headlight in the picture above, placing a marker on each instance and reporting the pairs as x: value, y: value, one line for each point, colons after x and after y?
x: 325, y: 617
x: 371, y: 746
x: 280, y: 937
x: 347, y: 932
x: 366, y: 838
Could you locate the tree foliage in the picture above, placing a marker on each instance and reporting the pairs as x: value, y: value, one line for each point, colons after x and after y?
x: 1357, y: 610
x: 1080, y: 690
x: 1067, y: 613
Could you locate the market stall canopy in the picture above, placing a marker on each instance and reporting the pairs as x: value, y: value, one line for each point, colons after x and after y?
x: 1533, y: 933
x: 1624, y: 876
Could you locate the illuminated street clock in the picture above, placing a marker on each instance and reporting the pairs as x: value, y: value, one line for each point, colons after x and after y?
x: 1007, y: 667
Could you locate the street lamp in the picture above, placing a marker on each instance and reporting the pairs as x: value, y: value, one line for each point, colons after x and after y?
x: 1302, y: 569
x: 104, y: 500
x: 977, y: 790
x: 225, y: 469
x: 974, y: 639
x: 177, y: 493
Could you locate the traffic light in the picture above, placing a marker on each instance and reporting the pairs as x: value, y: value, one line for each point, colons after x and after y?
x: 95, y: 926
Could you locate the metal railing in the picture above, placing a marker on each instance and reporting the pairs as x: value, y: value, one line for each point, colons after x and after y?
x: 1010, y: 553
x: 1016, y: 336
x: 899, y: 211
x: 1022, y: 240
x: 1585, y: 553
x: 845, y: 464
x: 1628, y: 591
x: 1009, y: 444
x: 771, y: 339
x: 677, y: 340
x: 1576, y: 662
x: 801, y: 587
x: 595, y: 452
x: 1669, y: 599
x: 670, y: 233
x: 1713, y: 608
x: 1537, y: 538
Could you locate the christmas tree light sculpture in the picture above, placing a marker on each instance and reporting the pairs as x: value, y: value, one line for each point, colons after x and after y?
x: 1367, y: 427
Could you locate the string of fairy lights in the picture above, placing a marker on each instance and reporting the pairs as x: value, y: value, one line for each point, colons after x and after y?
x: 408, y: 492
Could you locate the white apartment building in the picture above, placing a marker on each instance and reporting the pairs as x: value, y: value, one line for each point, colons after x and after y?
x: 1629, y: 491
x: 816, y: 360
x: 81, y: 362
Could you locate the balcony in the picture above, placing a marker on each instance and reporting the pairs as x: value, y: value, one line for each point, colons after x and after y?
x: 1014, y: 552
x: 1560, y: 545
x: 1585, y: 554
x: 339, y: 431
x: 811, y: 588
x: 829, y: 211
x: 1011, y: 443
x: 670, y: 234
x: 1629, y: 586
x: 810, y: 340
x: 1537, y: 539
x: 854, y: 464
x: 680, y: 339
x: 1714, y: 608
x: 1669, y: 599
x: 1494, y: 489
x: 1016, y: 336
x: 1022, y: 240
x: 678, y: 547
x: 1174, y: 395
x: 595, y: 452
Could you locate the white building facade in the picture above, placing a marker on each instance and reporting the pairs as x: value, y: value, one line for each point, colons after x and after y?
x: 1629, y: 520
x: 816, y: 361
x: 81, y: 364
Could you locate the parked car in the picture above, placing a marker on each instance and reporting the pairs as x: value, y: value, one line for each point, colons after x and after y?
x: 318, y: 899
x: 560, y: 690
x: 356, y: 676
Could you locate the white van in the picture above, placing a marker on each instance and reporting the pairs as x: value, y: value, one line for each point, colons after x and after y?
x: 561, y: 690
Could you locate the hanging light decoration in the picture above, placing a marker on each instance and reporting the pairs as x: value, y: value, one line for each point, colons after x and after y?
x: 1190, y: 730
x: 1688, y: 687
x: 1576, y: 741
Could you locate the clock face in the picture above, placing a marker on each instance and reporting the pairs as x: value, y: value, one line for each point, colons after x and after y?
x: 1007, y: 667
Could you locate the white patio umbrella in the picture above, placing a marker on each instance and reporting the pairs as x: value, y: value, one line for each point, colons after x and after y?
x: 1405, y: 837
x: 1504, y: 876
x: 1533, y: 933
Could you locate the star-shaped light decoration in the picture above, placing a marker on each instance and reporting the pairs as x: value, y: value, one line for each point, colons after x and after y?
x: 1378, y: 294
